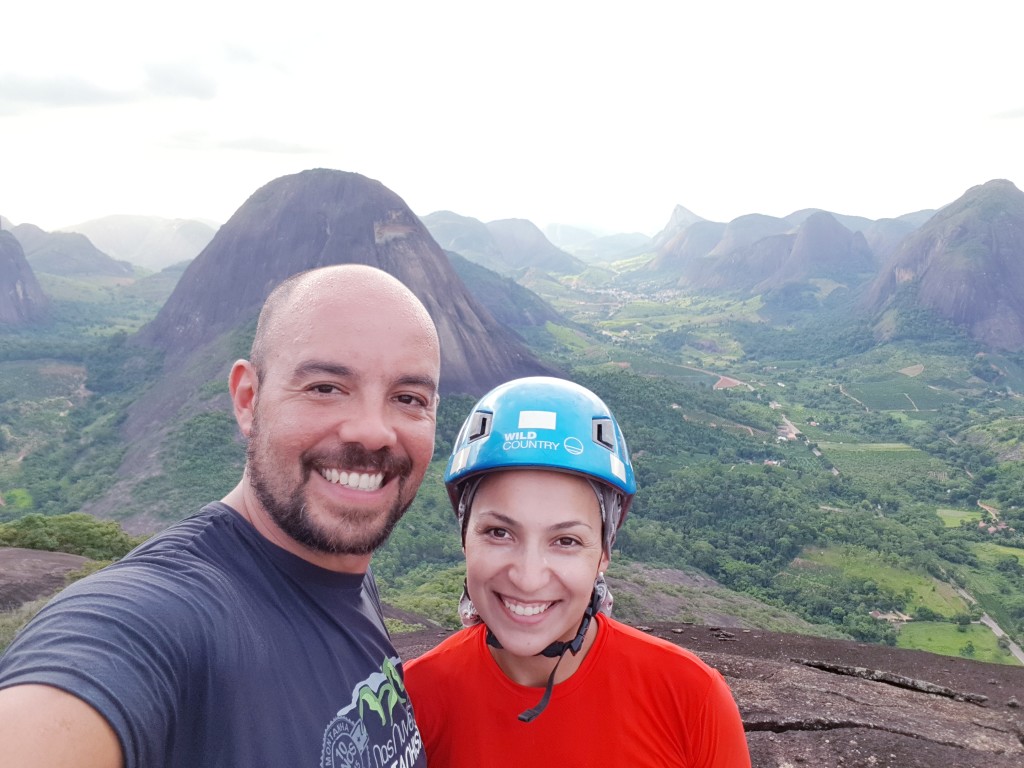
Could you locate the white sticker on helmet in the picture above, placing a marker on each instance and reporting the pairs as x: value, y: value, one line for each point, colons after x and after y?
x: 618, y: 468
x: 537, y: 419
x: 459, y: 460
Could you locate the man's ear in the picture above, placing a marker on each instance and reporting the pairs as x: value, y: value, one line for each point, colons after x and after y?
x: 243, y: 383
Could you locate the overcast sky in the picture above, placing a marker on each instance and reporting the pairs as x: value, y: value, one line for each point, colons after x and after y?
x: 598, y: 114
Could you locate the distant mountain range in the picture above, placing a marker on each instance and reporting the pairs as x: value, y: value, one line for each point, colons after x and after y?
x: 507, y: 246
x: 965, y: 262
x: 150, y: 242
x: 110, y: 248
x: 68, y: 254
x: 962, y: 262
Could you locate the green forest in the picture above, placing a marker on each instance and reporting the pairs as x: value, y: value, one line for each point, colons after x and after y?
x: 893, y: 488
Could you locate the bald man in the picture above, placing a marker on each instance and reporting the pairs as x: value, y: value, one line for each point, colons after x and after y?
x: 251, y: 633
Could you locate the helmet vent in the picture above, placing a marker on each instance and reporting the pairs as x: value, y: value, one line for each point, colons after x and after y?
x: 480, y: 425
x: 604, y: 434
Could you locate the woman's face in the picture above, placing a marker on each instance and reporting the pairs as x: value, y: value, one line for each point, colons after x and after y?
x: 533, y: 550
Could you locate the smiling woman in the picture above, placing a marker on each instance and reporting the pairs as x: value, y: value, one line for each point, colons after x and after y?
x: 540, y: 480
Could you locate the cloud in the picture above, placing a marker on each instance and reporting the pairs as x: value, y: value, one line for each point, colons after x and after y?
x: 1012, y: 114
x: 17, y: 93
x: 179, y: 82
x: 263, y: 144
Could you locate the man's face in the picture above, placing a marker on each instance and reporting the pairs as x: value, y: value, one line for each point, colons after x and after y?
x: 343, y: 422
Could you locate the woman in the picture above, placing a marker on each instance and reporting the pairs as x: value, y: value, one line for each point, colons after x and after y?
x: 540, y: 480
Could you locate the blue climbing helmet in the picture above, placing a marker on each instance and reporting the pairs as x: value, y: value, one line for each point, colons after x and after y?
x: 541, y: 422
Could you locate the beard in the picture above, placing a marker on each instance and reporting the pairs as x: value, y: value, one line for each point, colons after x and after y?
x: 344, y: 530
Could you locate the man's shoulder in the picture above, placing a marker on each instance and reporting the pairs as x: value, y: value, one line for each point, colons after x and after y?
x: 182, y: 564
x: 202, y: 536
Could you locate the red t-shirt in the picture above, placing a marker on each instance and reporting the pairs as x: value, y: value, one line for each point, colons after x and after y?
x: 635, y: 701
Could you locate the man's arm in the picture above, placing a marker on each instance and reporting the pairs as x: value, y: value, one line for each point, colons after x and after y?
x: 41, y: 725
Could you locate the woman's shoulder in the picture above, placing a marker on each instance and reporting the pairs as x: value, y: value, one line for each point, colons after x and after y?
x: 642, y: 647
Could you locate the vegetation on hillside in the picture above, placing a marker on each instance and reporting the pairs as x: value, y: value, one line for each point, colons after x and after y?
x: 75, y: 533
x: 839, y: 522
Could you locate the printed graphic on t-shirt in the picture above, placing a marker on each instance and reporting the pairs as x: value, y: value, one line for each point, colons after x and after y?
x: 376, y: 729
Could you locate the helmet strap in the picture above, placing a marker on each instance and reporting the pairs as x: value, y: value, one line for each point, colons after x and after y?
x: 557, y: 650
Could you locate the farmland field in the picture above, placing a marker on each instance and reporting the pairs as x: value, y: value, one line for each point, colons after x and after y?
x: 947, y: 639
x: 894, y: 461
x: 992, y: 553
x: 901, y: 394
x: 991, y: 586
x: 860, y: 563
x: 951, y: 518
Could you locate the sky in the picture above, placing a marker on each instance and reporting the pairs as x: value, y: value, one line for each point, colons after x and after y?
x: 594, y: 114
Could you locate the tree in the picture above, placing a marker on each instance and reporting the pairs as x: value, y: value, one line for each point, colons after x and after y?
x: 77, y: 534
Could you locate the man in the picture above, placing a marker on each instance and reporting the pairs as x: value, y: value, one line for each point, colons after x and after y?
x: 251, y: 633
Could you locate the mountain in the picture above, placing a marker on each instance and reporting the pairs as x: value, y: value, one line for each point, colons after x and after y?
x: 688, y: 238
x: 689, y: 244
x: 147, y: 241
x: 509, y: 303
x: 741, y: 267
x: 466, y: 236
x: 321, y: 217
x: 681, y: 219
x: 885, y: 236
x: 824, y: 248
x: 966, y: 264
x: 523, y: 245
x: 506, y: 246
x: 67, y: 254
x: 22, y: 301
x: 747, y: 230
x: 852, y: 223
x: 757, y: 255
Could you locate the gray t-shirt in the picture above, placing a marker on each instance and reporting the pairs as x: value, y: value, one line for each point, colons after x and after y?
x: 210, y: 646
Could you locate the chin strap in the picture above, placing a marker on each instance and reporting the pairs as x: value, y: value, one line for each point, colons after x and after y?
x: 557, y: 650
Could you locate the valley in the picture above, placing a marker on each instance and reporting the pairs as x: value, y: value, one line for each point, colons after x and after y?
x: 805, y: 465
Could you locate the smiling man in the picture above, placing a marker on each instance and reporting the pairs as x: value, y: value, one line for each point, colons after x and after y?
x: 251, y: 633
x: 339, y: 403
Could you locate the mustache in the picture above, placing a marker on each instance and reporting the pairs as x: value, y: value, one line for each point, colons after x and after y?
x: 355, y: 456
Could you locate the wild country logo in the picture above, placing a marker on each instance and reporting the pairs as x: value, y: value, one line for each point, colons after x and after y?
x: 517, y: 440
x: 376, y: 730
